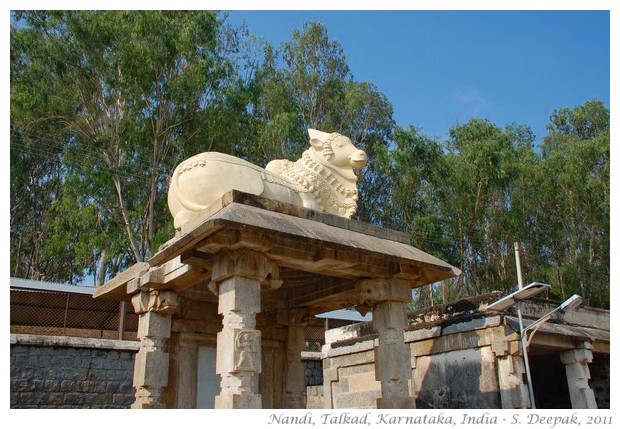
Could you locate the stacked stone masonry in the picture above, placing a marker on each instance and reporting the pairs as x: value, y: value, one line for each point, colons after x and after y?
x: 52, y: 376
x: 314, y: 372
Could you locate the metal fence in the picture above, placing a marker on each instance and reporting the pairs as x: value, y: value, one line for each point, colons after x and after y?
x: 70, y: 314
x: 52, y: 309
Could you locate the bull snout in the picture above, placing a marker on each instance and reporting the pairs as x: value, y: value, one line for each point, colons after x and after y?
x: 358, y: 158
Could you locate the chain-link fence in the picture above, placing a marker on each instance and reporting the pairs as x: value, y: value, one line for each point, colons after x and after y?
x: 72, y: 314
x: 59, y: 312
x: 315, y: 332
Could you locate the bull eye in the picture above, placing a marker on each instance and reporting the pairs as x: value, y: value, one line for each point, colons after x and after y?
x: 339, y: 144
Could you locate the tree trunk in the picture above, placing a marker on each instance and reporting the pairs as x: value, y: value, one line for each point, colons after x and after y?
x: 101, y: 268
x: 130, y: 234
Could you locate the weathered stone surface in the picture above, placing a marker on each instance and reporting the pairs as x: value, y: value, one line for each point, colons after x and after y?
x: 462, y: 358
x: 510, y: 377
x: 296, y: 370
x: 351, y: 250
x: 315, y: 397
x: 150, y: 379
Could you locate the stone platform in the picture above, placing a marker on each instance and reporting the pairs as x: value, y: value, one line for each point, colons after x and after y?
x: 246, y: 275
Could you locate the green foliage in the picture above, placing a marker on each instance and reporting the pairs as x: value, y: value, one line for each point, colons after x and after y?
x: 468, y: 199
x: 103, y: 107
x: 118, y: 105
x: 571, y: 198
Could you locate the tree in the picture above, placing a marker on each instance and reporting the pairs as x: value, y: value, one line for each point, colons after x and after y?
x: 306, y: 83
x: 462, y: 200
x: 127, y: 103
x: 572, y: 196
x: 299, y: 85
x: 317, y: 74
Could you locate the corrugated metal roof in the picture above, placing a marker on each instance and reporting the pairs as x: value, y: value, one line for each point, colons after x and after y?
x: 18, y: 283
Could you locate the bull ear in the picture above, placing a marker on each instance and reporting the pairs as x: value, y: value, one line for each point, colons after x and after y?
x: 316, y: 144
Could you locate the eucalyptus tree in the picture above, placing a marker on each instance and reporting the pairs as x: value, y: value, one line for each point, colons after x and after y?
x: 127, y: 94
x: 572, y: 194
x: 306, y: 83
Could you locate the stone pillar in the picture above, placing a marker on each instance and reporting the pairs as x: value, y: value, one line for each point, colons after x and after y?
x: 295, y: 372
x: 236, y: 280
x: 578, y: 374
x: 388, y: 298
x: 184, y: 373
x: 155, y: 309
x: 330, y: 375
x: 510, y: 375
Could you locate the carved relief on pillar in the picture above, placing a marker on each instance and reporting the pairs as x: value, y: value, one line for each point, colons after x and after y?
x: 247, y: 351
x: 237, y: 279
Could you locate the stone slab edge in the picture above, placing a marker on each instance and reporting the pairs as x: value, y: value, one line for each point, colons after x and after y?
x: 311, y: 355
x: 77, y: 342
x: 413, y: 335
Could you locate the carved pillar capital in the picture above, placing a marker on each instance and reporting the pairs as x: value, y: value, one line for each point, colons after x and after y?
x: 245, y: 263
x: 581, y: 354
x: 369, y: 292
x: 159, y: 301
x: 505, y: 348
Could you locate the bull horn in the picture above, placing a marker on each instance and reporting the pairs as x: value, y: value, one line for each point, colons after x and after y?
x: 316, y: 134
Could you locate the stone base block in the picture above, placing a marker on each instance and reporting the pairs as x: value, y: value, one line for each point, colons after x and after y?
x: 406, y: 403
x: 239, y: 401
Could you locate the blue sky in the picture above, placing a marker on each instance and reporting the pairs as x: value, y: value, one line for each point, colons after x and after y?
x: 440, y: 68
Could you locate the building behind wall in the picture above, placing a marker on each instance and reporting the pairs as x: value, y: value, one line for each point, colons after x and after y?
x: 465, y: 357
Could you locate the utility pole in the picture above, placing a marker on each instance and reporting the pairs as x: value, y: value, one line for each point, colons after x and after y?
x: 526, y: 359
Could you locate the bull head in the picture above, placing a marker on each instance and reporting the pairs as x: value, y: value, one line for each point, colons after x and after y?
x: 337, y: 149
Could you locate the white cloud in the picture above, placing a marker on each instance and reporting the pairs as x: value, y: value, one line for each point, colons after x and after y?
x: 472, y: 102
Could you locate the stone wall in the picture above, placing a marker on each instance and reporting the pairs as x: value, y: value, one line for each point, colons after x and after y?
x: 67, y: 372
x: 465, y: 357
x: 599, y: 382
x: 313, y: 368
x: 314, y: 397
x: 452, y: 366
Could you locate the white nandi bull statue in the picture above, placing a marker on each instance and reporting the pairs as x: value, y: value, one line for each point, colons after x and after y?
x: 323, y: 179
